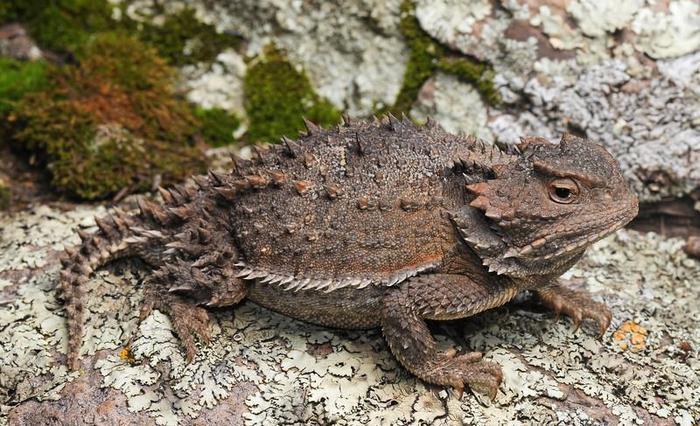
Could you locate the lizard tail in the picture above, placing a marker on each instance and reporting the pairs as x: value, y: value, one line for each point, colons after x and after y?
x: 118, y: 236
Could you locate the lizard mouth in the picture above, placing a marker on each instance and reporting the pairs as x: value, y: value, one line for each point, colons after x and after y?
x: 615, y: 220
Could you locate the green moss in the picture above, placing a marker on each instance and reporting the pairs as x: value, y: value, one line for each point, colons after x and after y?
x: 182, y: 39
x: 421, y: 61
x: 217, y: 126
x: 277, y: 97
x: 470, y: 71
x: 18, y: 78
x: 427, y: 56
x: 67, y: 25
x: 110, y: 123
x: 60, y: 25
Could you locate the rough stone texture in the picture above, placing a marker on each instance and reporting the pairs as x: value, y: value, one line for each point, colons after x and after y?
x: 17, y: 44
x: 458, y: 106
x: 623, y: 72
x: 263, y: 367
x: 351, y: 50
x: 578, y: 66
x: 217, y: 85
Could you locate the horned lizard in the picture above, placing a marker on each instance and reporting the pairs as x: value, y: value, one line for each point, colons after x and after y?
x: 371, y: 224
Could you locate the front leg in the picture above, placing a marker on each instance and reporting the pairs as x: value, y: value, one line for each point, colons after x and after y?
x: 577, y: 304
x: 441, y: 297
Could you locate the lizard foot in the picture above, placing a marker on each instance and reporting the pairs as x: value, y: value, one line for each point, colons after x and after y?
x: 188, y: 319
x: 466, y: 369
x: 577, y: 305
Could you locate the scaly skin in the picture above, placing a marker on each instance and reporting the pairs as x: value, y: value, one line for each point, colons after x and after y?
x: 382, y: 224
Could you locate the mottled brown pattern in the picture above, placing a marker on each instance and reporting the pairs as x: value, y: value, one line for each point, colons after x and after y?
x: 382, y: 224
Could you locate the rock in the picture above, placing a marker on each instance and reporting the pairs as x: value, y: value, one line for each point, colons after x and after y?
x: 560, y: 68
x: 5, y: 193
x: 692, y: 247
x: 265, y: 368
x: 351, y: 50
x: 455, y: 105
x: 217, y: 85
x: 16, y: 43
x: 609, y: 69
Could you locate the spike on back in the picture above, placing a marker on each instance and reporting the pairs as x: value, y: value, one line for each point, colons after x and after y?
x: 294, y: 149
x: 311, y: 127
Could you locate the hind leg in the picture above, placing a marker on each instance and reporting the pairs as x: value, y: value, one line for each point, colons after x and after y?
x: 180, y: 289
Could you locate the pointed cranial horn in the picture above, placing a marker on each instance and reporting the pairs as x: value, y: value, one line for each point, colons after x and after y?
x: 480, y: 202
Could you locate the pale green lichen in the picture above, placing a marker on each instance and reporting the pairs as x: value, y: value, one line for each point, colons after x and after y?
x: 456, y: 106
x: 301, y: 373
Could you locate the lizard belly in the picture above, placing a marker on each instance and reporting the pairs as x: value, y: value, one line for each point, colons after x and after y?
x: 348, y: 308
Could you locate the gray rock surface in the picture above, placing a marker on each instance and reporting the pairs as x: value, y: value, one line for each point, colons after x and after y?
x: 264, y: 368
x: 622, y: 72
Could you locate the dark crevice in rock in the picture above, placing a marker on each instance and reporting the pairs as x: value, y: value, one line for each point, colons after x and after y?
x: 671, y: 218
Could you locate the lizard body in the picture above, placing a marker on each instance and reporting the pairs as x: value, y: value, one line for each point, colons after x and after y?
x: 373, y: 224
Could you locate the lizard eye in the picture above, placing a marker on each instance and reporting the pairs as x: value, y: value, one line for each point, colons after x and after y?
x: 563, y: 191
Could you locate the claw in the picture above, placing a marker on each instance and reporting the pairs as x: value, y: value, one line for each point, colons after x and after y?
x: 494, y: 392
x: 577, y: 319
x: 180, y: 289
x: 577, y: 305
x: 459, y: 391
x: 450, y: 353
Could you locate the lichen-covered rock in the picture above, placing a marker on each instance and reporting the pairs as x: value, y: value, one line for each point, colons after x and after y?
x: 351, y: 50
x: 265, y: 368
x: 561, y: 67
x: 444, y: 99
x: 218, y: 84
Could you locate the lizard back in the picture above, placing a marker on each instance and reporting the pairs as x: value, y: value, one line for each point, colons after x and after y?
x: 363, y: 204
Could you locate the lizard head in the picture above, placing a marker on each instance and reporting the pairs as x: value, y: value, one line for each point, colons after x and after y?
x: 544, y: 208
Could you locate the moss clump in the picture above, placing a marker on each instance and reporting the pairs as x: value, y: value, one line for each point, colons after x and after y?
x: 60, y: 25
x: 278, y: 97
x: 217, y: 125
x: 110, y: 123
x: 427, y: 56
x: 18, y: 78
x: 469, y: 71
x: 421, y: 61
x: 182, y: 39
